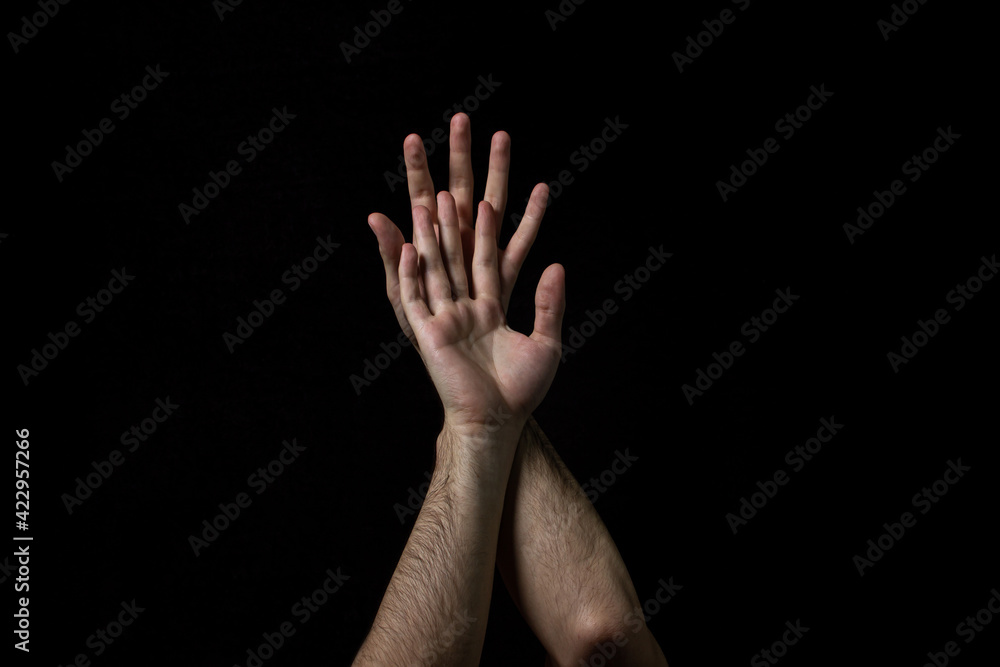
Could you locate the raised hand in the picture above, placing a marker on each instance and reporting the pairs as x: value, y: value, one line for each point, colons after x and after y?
x: 482, y: 370
x: 460, y: 184
x: 479, y: 365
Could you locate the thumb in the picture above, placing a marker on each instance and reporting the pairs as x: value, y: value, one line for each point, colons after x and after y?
x: 550, y: 304
x: 390, y: 245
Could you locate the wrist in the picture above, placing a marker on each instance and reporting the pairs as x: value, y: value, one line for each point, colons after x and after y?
x: 498, y: 428
x: 477, y: 459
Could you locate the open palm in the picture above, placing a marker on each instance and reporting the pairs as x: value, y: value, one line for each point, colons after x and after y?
x: 482, y: 369
x: 460, y: 186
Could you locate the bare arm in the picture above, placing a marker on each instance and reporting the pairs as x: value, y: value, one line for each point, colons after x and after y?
x: 480, y: 367
x: 435, y: 608
x: 562, y: 567
x: 569, y: 606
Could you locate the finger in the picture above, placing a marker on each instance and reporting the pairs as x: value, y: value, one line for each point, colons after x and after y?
x: 520, y: 243
x: 413, y: 304
x: 496, y: 179
x: 460, y: 167
x: 436, y: 281
x: 451, y: 244
x: 485, y: 274
x: 468, y: 246
x: 418, y: 175
x: 550, y: 305
x: 390, y: 243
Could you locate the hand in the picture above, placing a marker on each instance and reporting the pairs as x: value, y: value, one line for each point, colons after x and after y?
x: 460, y: 184
x: 479, y: 366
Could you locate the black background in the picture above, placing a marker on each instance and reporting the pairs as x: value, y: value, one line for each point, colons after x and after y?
x: 656, y: 185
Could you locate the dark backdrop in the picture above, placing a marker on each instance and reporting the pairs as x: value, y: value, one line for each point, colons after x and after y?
x: 367, y: 446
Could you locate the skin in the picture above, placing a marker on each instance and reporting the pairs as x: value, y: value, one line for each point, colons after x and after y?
x: 450, y: 290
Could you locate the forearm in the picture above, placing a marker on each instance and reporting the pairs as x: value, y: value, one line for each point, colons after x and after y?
x: 435, y: 608
x: 561, y: 566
